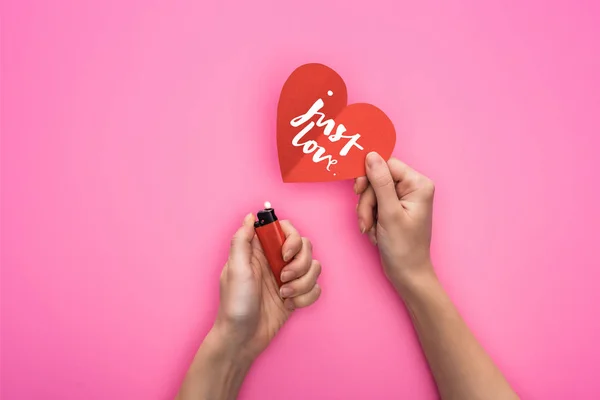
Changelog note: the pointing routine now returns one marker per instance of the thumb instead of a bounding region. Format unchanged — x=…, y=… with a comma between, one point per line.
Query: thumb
x=241, y=243
x=381, y=180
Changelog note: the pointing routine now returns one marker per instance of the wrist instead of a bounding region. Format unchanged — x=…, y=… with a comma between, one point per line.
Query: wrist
x=222, y=345
x=413, y=281
x=217, y=371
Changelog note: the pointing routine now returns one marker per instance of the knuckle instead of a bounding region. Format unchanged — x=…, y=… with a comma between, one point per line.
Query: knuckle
x=293, y=242
x=306, y=243
x=429, y=185
x=297, y=238
x=318, y=290
x=316, y=293
x=288, y=225
x=317, y=267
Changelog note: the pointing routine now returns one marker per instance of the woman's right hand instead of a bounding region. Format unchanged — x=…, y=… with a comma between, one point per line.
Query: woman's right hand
x=395, y=210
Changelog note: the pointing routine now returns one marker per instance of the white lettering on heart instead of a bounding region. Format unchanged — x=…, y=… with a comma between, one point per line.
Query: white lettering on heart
x=311, y=145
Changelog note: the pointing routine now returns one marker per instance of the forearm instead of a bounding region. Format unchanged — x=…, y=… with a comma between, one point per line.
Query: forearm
x=461, y=367
x=216, y=373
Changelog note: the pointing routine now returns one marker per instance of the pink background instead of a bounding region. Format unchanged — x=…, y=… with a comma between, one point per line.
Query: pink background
x=137, y=134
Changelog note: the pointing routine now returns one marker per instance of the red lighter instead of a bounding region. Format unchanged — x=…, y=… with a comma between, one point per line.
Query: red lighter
x=271, y=238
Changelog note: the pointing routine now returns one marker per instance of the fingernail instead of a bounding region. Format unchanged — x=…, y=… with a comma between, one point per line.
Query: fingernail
x=248, y=217
x=362, y=227
x=373, y=240
x=287, y=255
x=354, y=188
x=286, y=291
x=357, y=208
x=373, y=236
x=287, y=276
x=374, y=159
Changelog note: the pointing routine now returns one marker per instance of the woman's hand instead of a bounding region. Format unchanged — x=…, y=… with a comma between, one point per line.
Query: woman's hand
x=395, y=209
x=252, y=308
x=251, y=311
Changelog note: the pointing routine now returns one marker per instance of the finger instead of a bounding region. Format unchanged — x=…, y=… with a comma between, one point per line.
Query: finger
x=381, y=181
x=304, y=300
x=360, y=184
x=399, y=170
x=366, y=205
x=303, y=284
x=411, y=184
x=241, y=245
x=373, y=235
x=293, y=241
x=404, y=176
x=300, y=265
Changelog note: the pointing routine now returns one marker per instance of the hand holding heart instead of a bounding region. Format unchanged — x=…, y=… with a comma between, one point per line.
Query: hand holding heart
x=395, y=208
x=321, y=138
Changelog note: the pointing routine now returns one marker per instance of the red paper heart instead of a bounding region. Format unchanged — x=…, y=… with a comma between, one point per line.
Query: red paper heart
x=325, y=151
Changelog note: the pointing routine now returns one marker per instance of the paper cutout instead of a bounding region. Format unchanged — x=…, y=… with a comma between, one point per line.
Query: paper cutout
x=319, y=137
